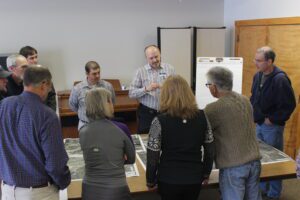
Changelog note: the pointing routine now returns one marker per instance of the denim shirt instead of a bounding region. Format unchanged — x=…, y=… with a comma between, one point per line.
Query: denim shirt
x=77, y=98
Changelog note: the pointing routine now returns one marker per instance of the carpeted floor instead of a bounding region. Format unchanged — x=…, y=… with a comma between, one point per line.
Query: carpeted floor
x=291, y=191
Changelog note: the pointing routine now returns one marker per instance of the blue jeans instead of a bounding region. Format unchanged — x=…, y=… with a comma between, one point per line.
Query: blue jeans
x=241, y=182
x=271, y=135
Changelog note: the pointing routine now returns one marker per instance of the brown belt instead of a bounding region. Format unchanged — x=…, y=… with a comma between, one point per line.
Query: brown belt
x=22, y=186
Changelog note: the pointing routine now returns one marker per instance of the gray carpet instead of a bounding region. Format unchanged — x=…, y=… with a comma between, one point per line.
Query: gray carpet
x=291, y=191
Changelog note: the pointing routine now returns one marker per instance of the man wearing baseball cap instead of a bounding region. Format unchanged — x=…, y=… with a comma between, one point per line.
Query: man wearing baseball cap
x=3, y=81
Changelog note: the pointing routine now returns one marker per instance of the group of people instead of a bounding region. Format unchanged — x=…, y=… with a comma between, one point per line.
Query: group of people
x=33, y=160
x=228, y=130
x=173, y=153
x=183, y=142
x=12, y=81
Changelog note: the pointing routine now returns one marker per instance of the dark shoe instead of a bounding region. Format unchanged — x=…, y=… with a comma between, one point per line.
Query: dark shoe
x=270, y=198
x=263, y=195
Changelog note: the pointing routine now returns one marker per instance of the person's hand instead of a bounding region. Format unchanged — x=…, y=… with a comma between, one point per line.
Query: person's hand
x=267, y=121
x=152, y=86
x=205, y=181
x=125, y=157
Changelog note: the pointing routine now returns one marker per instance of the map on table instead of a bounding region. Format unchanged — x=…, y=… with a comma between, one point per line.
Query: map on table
x=269, y=154
x=76, y=162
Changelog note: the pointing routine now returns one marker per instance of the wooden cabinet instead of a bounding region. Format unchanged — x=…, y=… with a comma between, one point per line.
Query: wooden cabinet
x=125, y=110
x=283, y=35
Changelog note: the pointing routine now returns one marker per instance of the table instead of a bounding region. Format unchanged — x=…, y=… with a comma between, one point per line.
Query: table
x=123, y=103
x=124, y=108
x=271, y=169
x=137, y=184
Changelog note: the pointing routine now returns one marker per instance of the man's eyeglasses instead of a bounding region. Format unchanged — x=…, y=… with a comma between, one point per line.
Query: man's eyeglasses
x=259, y=61
x=208, y=84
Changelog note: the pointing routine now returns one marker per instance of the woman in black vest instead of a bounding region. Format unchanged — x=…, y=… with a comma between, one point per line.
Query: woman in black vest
x=175, y=161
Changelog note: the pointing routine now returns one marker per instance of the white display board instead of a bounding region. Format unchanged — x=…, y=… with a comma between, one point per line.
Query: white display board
x=234, y=64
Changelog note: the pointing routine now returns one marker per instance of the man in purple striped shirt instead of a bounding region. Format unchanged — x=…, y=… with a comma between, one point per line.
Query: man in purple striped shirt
x=145, y=87
x=33, y=161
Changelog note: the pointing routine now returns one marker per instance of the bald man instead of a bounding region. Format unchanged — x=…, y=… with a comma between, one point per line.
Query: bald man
x=146, y=84
x=17, y=64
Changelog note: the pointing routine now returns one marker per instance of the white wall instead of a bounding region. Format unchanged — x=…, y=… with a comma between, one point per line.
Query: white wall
x=255, y=9
x=68, y=33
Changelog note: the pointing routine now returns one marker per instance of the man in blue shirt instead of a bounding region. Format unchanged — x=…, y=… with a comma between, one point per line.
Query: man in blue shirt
x=273, y=102
x=78, y=93
x=33, y=161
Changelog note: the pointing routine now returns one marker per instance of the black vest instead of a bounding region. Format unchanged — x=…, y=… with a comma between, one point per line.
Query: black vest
x=181, y=158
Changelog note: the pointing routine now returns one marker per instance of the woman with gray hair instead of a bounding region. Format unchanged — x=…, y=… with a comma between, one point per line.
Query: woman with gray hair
x=105, y=150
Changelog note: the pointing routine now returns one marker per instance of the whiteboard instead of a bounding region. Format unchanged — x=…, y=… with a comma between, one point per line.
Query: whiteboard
x=234, y=64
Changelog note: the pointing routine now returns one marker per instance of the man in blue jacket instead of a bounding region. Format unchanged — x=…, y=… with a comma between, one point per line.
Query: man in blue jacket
x=273, y=102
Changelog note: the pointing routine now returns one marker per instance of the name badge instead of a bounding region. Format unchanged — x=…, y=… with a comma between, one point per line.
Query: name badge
x=162, y=75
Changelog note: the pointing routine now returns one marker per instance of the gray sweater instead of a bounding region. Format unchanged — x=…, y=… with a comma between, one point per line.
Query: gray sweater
x=231, y=119
x=104, y=146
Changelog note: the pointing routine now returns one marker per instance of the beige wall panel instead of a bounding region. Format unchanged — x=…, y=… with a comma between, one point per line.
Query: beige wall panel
x=210, y=43
x=249, y=39
x=176, y=49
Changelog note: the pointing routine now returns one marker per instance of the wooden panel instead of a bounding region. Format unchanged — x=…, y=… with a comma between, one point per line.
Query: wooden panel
x=285, y=41
x=124, y=108
x=123, y=103
x=282, y=34
x=269, y=21
x=249, y=38
x=115, y=83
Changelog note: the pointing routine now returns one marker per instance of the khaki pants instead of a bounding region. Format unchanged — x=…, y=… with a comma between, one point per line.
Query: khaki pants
x=16, y=193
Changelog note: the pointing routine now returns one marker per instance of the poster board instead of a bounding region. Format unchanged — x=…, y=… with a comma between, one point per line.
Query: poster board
x=235, y=64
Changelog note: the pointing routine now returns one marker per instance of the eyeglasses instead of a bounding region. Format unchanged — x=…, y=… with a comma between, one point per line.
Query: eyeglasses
x=208, y=84
x=259, y=61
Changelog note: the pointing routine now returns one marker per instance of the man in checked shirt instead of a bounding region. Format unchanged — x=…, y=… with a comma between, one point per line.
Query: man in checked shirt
x=145, y=87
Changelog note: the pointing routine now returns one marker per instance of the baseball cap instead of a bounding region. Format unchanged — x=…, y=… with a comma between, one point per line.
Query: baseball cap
x=4, y=73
